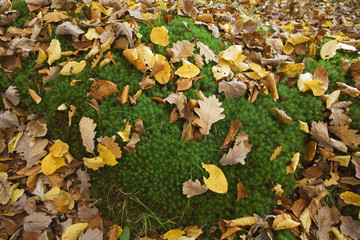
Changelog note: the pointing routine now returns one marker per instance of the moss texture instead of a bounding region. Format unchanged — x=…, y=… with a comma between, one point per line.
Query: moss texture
x=162, y=162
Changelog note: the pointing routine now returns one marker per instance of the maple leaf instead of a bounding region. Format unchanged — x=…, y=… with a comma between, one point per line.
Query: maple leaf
x=193, y=188
x=181, y=49
x=232, y=89
x=338, y=116
x=238, y=153
x=36, y=222
x=87, y=127
x=319, y=132
x=68, y=28
x=31, y=150
x=209, y=113
x=206, y=52
x=347, y=135
x=8, y=119
x=350, y=227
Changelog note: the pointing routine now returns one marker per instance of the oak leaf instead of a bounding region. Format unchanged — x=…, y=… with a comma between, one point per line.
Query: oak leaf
x=87, y=127
x=91, y=234
x=233, y=88
x=8, y=119
x=324, y=219
x=112, y=146
x=84, y=179
x=12, y=95
x=338, y=116
x=209, y=113
x=217, y=181
x=192, y=188
x=347, y=135
x=205, y=51
x=238, y=153
x=101, y=89
x=36, y=222
x=54, y=51
x=31, y=150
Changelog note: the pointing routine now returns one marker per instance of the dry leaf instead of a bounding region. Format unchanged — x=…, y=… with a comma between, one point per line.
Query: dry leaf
x=36, y=128
x=8, y=119
x=34, y=96
x=319, y=132
x=304, y=126
x=91, y=234
x=347, y=135
x=191, y=188
x=332, y=98
x=284, y=221
x=73, y=67
x=131, y=144
x=181, y=49
x=107, y=156
x=68, y=28
x=173, y=233
x=292, y=69
x=87, y=127
x=73, y=231
x=232, y=89
x=234, y=128
x=187, y=70
x=84, y=179
x=276, y=153
x=209, y=113
x=338, y=116
x=281, y=115
x=353, y=92
x=31, y=150
x=324, y=219
x=217, y=181
x=328, y=50
x=241, y=191
x=350, y=198
x=205, y=51
x=12, y=95
x=121, y=29
x=125, y=135
x=350, y=227
x=294, y=162
x=112, y=146
x=159, y=36
x=198, y=60
x=101, y=89
x=238, y=153
x=54, y=51
x=4, y=188
x=36, y=222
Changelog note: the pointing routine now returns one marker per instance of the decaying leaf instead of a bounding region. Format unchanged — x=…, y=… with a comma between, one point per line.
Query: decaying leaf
x=68, y=28
x=319, y=132
x=34, y=96
x=217, y=181
x=91, y=234
x=328, y=50
x=234, y=127
x=8, y=119
x=209, y=113
x=101, y=89
x=238, y=153
x=31, y=150
x=233, y=88
x=324, y=219
x=338, y=116
x=293, y=69
x=350, y=227
x=4, y=188
x=353, y=92
x=12, y=95
x=193, y=188
x=87, y=127
x=281, y=115
x=36, y=222
x=241, y=191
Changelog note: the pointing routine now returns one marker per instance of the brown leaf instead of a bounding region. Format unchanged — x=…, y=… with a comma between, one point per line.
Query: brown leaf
x=338, y=115
x=121, y=29
x=30, y=204
x=158, y=67
x=36, y=222
x=350, y=227
x=187, y=133
x=55, y=16
x=36, y=128
x=34, y=96
x=353, y=92
x=91, y=234
x=281, y=115
x=124, y=95
x=347, y=135
x=205, y=51
x=101, y=89
x=181, y=49
x=191, y=188
x=4, y=189
x=310, y=150
x=324, y=220
x=68, y=28
x=241, y=191
x=112, y=146
x=31, y=150
x=61, y=203
x=198, y=60
x=146, y=82
x=131, y=144
x=187, y=6
x=87, y=127
x=8, y=119
x=356, y=162
x=319, y=132
x=313, y=172
x=238, y=153
x=321, y=75
x=234, y=128
x=12, y=95
x=84, y=179
x=298, y=207
x=232, y=89
x=8, y=18
x=96, y=222
x=55, y=180
x=270, y=79
x=85, y=214
x=183, y=84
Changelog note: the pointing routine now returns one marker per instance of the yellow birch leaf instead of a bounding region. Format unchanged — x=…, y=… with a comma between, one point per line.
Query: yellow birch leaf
x=342, y=160
x=98, y=6
x=314, y=85
x=125, y=135
x=73, y=231
x=94, y=163
x=332, y=98
x=41, y=57
x=284, y=221
x=312, y=49
x=276, y=153
x=328, y=50
x=174, y=233
x=305, y=219
x=243, y=221
x=116, y=229
x=107, y=156
x=327, y=24
x=351, y=198
x=304, y=126
x=288, y=49
x=252, y=75
x=73, y=67
x=73, y=82
x=258, y=69
x=106, y=45
x=187, y=70
x=163, y=76
x=59, y=148
x=159, y=36
x=69, y=197
x=14, y=141
x=54, y=51
x=221, y=70
x=217, y=181
x=104, y=62
x=50, y=164
x=92, y=34
x=294, y=162
x=231, y=54
x=293, y=69
x=297, y=39
x=16, y=194
x=51, y=194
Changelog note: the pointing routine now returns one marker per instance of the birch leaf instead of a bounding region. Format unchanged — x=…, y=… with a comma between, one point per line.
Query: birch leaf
x=238, y=153
x=73, y=67
x=187, y=70
x=191, y=188
x=73, y=231
x=350, y=198
x=294, y=162
x=284, y=221
x=107, y=156
x=209, y=113
x=87, y=127
x=181, y=49
x=54, y=51
x=328, y=50
x=206, y=52
x=159, y=36
x=217, y=181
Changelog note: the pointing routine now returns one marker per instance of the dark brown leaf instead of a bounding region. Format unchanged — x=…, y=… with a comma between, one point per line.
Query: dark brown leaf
x=234, y=128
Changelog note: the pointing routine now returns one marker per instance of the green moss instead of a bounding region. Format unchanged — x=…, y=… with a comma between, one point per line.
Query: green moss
x=24, y=13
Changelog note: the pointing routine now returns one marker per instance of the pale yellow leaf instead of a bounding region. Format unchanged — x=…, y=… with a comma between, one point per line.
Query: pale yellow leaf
x=51, y=194
x=173, y=233
x=187, y=70
x=217, y=181
x=304, y=126
x=297, y=39
x=332, y=98
x=107, y=156
x=328, y=50
x=54, y=51
x=276, y=153
x=87, y=127
x=258, y=69
x=301, y=83
x=294, y=162
x=98, y=6
x=231, y=54
x=34, y=96
x=159, y=36
x=73, y=231
x=221, y=70
x=342, y=160
x=145, y=55
x=316, y=87
x=94, y=163
x=305, y=219
x=92, y=34
x=284, y=221
x=243, y=221
x=350, y=198
x=73, y=67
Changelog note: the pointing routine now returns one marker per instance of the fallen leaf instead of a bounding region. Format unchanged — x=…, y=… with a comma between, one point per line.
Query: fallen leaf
x=51, y=194
x=324, y=219
x=284, y=221
x=281, y=115
x=319, y=132
x=121, y=29
x=217, y=181
x=164, y=75
x=332, y=98
x=36, y=222
x=107, y=156
x=305, y=219
x=342, y=160
x=36, y=128
x=31, y=150
x=292, y=69
x=238, y=153
x=187, y=70
x=350, y=198
x=8, y=119
x=125, y=135
x=241, y=191
x=73, y=231
x=192, y=188
x=68, y=28
x=87, y=127
x=209, y=113
x=233, y=88
x=347, y=135
x=328, y=50
x=350, y=227
x=234, y=128
x=4, y=188
x=205, y=51
x=333, y=180
x=91, y=234
x=50, y=164
x=34, y=96
x=294, y=162
x=276, y=153
x=173, y=233
x=101, y=89
x=351, y=91
x=193, y=231
x=94, y=163
x=12, y=95
x=241, y=222
x=114, y=232
x=159, y=36
x=135, y=138
x=54, y=51
x=112, y=146
x=73, y=67
x=181, y=49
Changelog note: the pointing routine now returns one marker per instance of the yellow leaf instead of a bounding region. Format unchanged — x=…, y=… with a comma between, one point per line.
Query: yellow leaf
x=54, y=51
x=258, y=69
x=301, y=84
x=73, y=67
x=14, y=141
x=104, y=62
x=106, y=45
x=69, y=197
x=174, y=233
x=41, y=57
x=98, y=6
x=231, y=54
x=118, y=230
x=107, y=156
x=163, y=76
x=51, y=194
x=243, y=221
x=159, y=36
x=16, y=194
x=288, y=49
x=314, y=85
x=351, y=198
x=59, y=148
x=221, y=70
x=305, y=219
x=337, y=234
x=284, y=221
x=293, y=69
x=73, y=82
x=217, y=181
x=125, y=135
x=327, y=24
x=328, y=50
x=276, y=153
x=294, y=162
x=342, y=160
x=297, y=39
x=73, y=231
x=50, y=164
x=92, y=34
x=34, y=96
x=145, y=55
x=187, y=70
x=332, y=98
x=304, y=126
x=312, y=49
x=94, y=163
x=193, y=231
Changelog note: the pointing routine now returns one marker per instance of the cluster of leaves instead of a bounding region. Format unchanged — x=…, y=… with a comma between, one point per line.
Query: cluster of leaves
x=239, y=71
